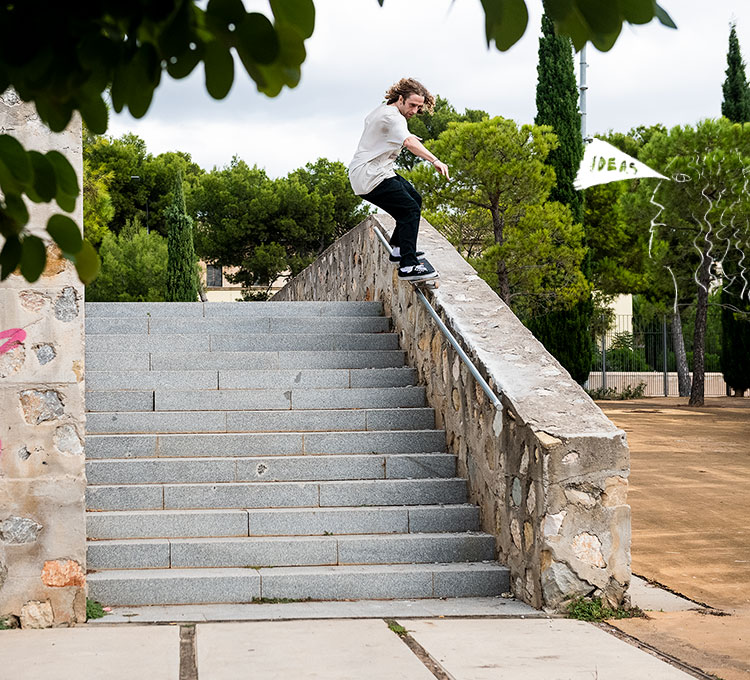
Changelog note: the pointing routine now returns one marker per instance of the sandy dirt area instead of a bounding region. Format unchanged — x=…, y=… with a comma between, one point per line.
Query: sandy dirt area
x=690, y=498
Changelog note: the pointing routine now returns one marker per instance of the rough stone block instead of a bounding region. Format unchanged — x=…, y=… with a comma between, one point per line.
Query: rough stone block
x=347, y=583
x=393, y=492
x=403, y=441
x=166, y=524
x=290, y=421
x=312, y=468
x=120, y=400
x=128, y=554
x=191, y=361
x=342, y=359
x=414, y=548
x=221, y=400
x=286, y=379
x=174, y=586
x=183, y=421
x=416, y=466
x=319, y=521
x=271, y=551
x=401, y=419
x=160, y=470
x=375, y=397
x=241, y=495
x=299, y=342
x=129, y=497
x=384, y=377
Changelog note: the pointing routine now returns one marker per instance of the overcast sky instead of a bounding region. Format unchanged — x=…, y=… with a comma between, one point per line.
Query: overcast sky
x=652, y=75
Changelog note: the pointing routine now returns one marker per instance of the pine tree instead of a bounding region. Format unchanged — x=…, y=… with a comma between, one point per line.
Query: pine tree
x=181, y=270
x=565, y=333
x=735, y=328
x=736, y=104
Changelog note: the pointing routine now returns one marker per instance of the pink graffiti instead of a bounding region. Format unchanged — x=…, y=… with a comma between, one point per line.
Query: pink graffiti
x=16, y=335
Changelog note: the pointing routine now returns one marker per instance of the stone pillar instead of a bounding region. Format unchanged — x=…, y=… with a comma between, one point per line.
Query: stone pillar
x=42, y=415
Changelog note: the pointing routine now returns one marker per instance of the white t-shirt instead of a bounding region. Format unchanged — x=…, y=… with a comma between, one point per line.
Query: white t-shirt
x=381, y=141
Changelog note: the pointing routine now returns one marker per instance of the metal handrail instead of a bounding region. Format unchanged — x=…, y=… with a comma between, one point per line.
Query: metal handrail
x=449, y=336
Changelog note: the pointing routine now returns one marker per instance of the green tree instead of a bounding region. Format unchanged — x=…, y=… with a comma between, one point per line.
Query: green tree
x=563, y=331
x=428, y=126
x=182, y=283
x=134, y=267
x=735, y=314
x=330, y=179
x=736, y=104
x=264, y=227
x=702, y=217
x=97, y=203
x=63, y=58
x=532, y=251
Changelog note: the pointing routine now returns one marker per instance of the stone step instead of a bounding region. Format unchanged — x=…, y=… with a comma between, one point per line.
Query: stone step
x=270, y=468
x=163, y=400
x=261, y=421
x=206, y=586
x=99, y=446
x=289, y=551
x=282, y=521
x=349, y=493
x=231, y=309
x=231, y=324
x=246, y=379
x=202, y=361
x=215, y=342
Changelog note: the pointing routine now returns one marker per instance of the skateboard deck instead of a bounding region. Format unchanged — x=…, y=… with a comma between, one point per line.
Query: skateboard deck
x=427, y=283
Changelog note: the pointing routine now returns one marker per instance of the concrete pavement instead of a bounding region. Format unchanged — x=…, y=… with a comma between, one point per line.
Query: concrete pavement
x=334, y=649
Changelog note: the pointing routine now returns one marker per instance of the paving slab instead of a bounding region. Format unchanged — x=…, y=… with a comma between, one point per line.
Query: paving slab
x=335, y=650
x=487, y=649
x=653, y=598
x=350, y=609
x=92, y=653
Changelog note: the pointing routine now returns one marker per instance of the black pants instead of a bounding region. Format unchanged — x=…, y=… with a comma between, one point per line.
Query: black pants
x=402, y=202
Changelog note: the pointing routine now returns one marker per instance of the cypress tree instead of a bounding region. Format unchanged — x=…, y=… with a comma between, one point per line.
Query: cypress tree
x=736, y=104
x=565, y=333
x=735, y=328
x=181, y=272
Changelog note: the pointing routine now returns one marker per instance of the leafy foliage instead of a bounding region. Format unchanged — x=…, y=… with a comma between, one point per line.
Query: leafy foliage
x=134, y=267
x=182, y=282
x=735, y=314
x=428, y=126
x=703, y=217
x=64, y=57
x=593, y=609
x=564, y=332
x=94, y=610
x=267, y=227
x=530, y=249
x=98, y=210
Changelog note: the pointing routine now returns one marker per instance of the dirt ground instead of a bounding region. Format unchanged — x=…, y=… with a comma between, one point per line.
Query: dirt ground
x=690, y=499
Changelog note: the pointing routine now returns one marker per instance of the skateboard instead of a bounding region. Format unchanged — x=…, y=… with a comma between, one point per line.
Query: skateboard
x=431, y=284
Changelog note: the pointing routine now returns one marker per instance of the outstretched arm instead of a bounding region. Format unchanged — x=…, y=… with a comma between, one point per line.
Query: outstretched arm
x=413, y=144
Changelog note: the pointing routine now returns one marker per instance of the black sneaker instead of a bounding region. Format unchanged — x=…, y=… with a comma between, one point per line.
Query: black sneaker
x=421, y=272
x=397, y=258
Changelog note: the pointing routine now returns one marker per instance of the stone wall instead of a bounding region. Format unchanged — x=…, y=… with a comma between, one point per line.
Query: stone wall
x=42, y=419
x=550, y=471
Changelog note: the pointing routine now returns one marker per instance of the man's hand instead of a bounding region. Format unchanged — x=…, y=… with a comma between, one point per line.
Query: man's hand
x=442, y=168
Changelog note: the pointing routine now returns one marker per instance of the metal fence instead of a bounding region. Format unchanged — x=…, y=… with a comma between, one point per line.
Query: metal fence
x=634, y=351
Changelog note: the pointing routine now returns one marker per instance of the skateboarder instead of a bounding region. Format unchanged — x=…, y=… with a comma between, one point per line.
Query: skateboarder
x=373, y=178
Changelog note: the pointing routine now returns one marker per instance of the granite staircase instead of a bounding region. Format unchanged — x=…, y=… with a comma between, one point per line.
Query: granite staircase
x=259, y=451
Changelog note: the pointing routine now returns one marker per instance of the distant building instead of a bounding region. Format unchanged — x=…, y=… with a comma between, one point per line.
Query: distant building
x=218, y=288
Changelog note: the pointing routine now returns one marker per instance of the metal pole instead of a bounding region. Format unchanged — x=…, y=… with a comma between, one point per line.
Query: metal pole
x=449, y=337
x=604, y=360
x=664, y=342
x=583, y=87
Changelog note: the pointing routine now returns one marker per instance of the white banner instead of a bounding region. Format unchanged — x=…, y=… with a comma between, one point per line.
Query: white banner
x=603, y=163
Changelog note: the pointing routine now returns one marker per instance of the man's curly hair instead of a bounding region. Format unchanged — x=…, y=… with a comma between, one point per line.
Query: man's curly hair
x=408, y=86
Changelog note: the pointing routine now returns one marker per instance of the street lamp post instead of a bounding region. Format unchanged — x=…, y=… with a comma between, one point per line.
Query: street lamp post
x=138, y=177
